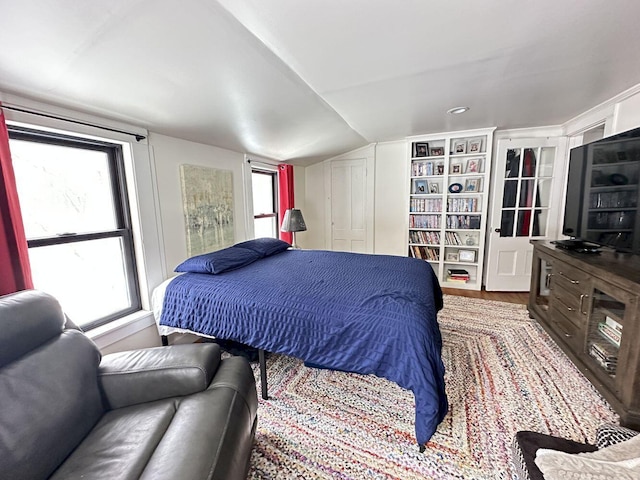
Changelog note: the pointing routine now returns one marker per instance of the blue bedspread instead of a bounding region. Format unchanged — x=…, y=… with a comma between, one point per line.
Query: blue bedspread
x=369, y=314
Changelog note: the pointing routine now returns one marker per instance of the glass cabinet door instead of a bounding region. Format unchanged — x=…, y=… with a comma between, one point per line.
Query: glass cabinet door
x=542, y=287
x=605, y=330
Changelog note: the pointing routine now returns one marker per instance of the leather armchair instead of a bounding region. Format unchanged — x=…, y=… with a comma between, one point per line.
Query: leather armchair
x=166, y=412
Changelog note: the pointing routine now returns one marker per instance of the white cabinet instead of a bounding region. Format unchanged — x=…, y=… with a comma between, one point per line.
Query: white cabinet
x=448, y=203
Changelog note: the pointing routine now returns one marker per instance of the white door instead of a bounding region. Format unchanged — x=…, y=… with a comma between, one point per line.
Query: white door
x=526, y=204
x=350, y=206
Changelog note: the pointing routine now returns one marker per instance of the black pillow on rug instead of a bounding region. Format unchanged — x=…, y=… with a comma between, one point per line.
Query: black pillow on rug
x=526, y=444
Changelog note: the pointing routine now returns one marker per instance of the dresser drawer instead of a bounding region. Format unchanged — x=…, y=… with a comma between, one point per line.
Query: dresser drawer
x=569, y=279
x=571, y=305
x=566, y=329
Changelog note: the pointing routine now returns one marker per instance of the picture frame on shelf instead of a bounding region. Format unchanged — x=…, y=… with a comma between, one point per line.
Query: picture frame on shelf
x=421, y=186
x=456, y=168
x=459, y=147
x=466, y=256
x=440, y=169
x=472, y=185
x=420, y=149
x=473, y=165
x=474, y=145
x=434, y=188
x=452, y=257
x=436, y=151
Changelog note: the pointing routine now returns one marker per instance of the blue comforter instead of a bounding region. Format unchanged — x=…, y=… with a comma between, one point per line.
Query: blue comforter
x=368, y=314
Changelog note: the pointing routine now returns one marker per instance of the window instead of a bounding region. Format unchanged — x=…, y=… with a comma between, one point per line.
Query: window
x=265, y=203
x=75, y=211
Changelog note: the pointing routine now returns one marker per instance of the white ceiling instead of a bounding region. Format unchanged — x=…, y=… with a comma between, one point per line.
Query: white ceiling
x=303, y=80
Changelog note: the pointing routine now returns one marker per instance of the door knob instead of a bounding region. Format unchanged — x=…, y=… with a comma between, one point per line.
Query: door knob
x=497, y=230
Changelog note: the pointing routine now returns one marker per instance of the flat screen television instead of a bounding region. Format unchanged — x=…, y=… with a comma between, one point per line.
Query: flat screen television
x=603, y=193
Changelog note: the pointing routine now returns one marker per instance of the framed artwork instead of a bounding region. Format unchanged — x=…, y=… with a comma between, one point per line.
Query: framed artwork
x=434, y=188
x=474, y=145
x=436, y=151
x=467, y=255
x=472, y=185
x=440, y=169
x=459, y=147
x=473, y=165
x=421, y=186
x=452, y=257
x=420, y=149
x=207, y=202
x=456, y=168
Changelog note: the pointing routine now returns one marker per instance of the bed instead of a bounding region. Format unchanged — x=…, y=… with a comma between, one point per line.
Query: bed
x=367, y=314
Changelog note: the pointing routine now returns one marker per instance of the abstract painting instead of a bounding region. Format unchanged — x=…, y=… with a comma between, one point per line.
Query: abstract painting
x=207, y=198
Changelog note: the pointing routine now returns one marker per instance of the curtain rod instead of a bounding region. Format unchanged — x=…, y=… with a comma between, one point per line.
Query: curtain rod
x=137, y=136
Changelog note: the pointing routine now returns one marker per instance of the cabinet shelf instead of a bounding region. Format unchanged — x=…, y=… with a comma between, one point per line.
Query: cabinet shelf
x=461, y=221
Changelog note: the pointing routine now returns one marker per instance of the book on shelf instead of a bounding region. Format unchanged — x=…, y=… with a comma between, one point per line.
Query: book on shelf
x=457, y=271
x=610, y=333
x=605, y=358
x=613, y=324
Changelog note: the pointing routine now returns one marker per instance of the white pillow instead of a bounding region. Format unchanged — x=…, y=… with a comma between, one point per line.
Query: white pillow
x=617, y=462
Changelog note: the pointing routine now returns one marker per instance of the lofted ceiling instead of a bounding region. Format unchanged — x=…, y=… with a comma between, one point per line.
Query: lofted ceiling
x=304, y=80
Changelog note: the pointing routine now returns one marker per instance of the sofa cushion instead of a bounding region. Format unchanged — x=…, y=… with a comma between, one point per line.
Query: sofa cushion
x=49, y=401
x=137, y=376
x=205, y=435
x=27, y=320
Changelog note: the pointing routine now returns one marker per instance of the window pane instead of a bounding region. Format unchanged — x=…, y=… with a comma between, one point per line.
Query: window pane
x=527, y=192
x=62, y=189
x=265, y=227
x=262, y=184
x=529, y=164
x=506, y=223
x=68, y=272
x=509, y=195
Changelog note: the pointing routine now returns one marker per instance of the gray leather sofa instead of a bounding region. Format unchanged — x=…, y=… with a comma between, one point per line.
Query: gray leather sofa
x=178, y=412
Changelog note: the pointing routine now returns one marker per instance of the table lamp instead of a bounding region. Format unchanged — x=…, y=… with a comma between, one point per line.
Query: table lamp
x=293, y=222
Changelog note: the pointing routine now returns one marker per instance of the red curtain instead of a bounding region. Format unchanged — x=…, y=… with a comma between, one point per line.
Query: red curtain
x=14, y=255
x=285, y=196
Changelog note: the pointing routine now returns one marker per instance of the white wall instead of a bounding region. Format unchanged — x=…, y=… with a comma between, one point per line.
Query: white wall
x=168, y=154
x=628, y=114
x=314, y=198
x=391, y=198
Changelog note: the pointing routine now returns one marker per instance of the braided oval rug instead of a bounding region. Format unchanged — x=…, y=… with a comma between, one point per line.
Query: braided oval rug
x=504, y=374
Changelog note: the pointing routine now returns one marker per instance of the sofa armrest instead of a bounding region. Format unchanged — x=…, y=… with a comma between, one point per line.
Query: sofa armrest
x=138, y=376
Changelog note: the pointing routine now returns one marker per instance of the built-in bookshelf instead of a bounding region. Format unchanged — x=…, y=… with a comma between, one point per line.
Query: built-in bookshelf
x=448, y=201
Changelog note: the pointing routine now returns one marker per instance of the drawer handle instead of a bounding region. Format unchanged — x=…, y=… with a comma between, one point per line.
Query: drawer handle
x=571, y=309
x=575, y=282
x=582, y=297
x=563, y=331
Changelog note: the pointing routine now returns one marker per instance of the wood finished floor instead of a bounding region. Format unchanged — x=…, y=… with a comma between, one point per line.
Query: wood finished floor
x=510, y=297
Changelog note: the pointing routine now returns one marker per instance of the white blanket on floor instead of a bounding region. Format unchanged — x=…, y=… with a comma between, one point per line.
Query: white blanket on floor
x=617, y=462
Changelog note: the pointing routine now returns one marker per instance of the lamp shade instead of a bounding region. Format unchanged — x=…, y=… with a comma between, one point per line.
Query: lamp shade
x=293, y=221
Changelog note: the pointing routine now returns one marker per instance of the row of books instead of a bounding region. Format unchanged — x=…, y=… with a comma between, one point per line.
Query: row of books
x=462, y=205
x=457, y=275
x=424, y=237
x=425, y=205
x=425, y=253
x=423, y=169
x=452, y=238
x=606, y=356
x=424, y=221
x=463, y=222
x=610, y=333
